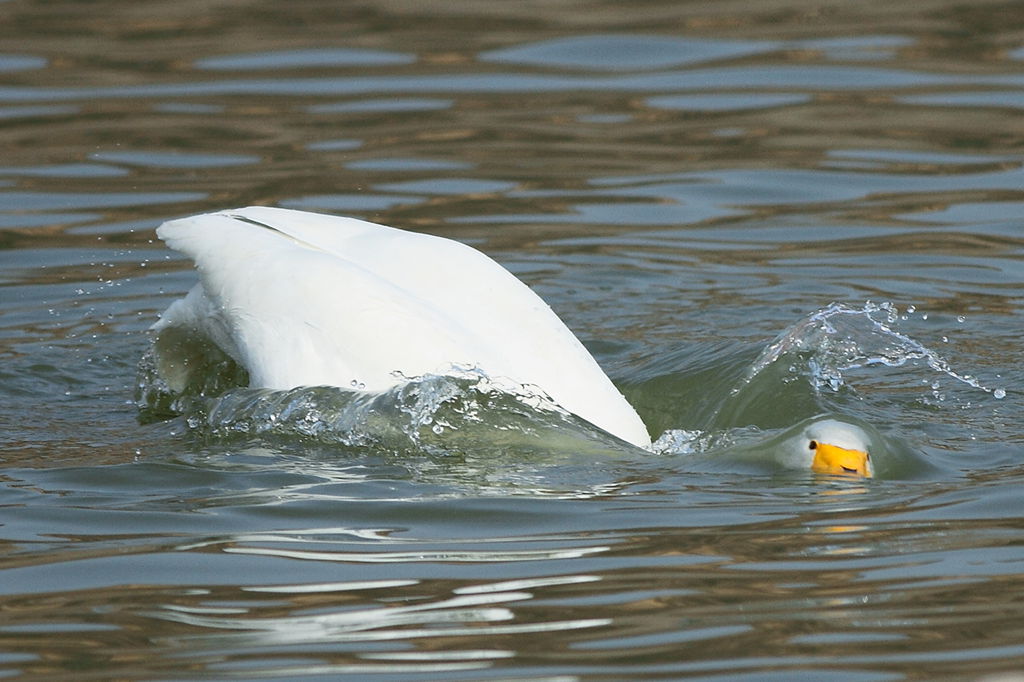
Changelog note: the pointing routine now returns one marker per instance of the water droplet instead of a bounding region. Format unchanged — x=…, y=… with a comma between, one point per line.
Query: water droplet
x=999, y=394
x=911, y=310
x=438, y=429
x=945, y=339
x=924, y=316
x=961, y=318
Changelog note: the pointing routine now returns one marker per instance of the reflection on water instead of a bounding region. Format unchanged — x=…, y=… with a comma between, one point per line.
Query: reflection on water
x=683, y=183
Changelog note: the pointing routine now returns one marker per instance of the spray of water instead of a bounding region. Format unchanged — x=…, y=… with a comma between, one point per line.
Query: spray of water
x=834, y=352
x=840, y=338
x=464, y=410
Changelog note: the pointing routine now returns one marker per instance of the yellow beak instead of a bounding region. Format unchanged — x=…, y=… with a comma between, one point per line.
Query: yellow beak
x=831, y=459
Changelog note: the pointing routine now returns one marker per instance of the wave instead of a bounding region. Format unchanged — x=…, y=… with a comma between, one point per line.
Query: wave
x=846, y=359
x=460, y=412
x=839, y=338
x=806, y=372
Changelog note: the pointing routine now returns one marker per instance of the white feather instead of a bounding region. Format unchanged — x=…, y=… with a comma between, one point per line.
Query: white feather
x=301, y=299
x=794, y=451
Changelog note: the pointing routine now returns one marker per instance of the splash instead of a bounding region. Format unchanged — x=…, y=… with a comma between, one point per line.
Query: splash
x=464, y=410
x=839, y=339
x=840, y=361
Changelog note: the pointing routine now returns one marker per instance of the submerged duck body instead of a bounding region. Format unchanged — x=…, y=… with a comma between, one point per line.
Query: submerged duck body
x=303, y=299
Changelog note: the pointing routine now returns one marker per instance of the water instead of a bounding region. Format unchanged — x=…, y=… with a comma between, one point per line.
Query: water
x=751, y=214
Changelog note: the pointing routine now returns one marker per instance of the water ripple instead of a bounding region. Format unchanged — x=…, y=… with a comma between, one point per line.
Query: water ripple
x=817, y=78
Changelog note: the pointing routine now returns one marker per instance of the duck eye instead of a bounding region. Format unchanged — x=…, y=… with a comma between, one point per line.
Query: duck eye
x=813, y=445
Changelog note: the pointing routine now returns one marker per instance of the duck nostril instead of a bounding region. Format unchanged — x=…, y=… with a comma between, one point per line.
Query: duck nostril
x=849, y=470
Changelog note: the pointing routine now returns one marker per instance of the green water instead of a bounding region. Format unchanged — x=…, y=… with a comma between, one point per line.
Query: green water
x=689, y=185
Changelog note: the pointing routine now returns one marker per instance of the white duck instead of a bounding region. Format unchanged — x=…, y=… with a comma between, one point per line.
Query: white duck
x=302, y=299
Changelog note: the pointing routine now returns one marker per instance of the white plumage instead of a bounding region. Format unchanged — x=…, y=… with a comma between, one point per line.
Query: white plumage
x=301, y=299
x=795, y=451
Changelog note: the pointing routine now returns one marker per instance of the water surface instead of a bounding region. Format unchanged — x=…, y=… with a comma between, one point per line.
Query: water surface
x=690, y=186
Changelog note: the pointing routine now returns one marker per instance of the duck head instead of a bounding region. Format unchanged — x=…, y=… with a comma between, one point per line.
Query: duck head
x=830, y=446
